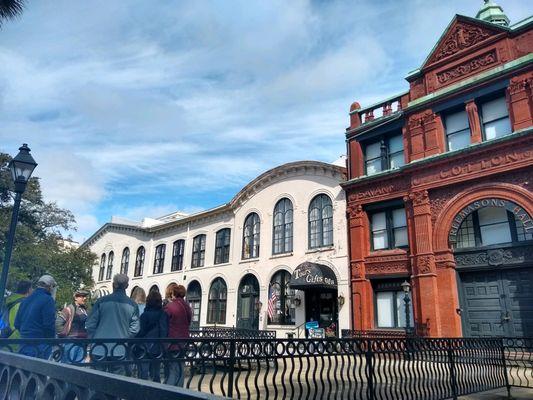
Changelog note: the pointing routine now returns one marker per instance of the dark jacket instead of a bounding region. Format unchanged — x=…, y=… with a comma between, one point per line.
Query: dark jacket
x=114, y=316
x=179, y=318
x=37, y=315
x=154, y=323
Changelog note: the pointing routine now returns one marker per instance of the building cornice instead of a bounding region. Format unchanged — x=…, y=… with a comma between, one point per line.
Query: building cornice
x=277, y=174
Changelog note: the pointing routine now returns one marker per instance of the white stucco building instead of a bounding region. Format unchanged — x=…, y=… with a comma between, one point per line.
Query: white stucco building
x=272, y=258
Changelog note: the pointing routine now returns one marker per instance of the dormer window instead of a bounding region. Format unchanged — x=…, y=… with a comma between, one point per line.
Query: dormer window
x=383, y=154
x=457, y=130
x=495, y=118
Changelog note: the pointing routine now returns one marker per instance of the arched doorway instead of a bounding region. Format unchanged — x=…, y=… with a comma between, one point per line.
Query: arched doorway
x=492, y=242
x=248, y=303
x=194, y=297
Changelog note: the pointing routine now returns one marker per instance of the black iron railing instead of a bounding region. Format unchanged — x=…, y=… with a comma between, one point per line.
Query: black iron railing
x=24, y=377
x=217, y=332
x=369, y=369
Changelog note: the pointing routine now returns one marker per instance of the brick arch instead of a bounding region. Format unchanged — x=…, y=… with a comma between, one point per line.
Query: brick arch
x=505, y=191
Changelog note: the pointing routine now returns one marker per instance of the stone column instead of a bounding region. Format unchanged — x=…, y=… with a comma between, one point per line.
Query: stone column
x=424, y=271
x=449, y=294
x=358, y=242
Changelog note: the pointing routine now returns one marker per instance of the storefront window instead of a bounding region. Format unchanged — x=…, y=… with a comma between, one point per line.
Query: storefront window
x=281, y=308
x=390, y=305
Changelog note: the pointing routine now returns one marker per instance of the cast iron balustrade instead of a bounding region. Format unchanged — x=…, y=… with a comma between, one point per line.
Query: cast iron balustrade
x=367, y=368
x=28, y=378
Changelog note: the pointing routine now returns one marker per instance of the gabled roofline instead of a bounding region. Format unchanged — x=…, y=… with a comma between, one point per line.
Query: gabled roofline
x=456, y=17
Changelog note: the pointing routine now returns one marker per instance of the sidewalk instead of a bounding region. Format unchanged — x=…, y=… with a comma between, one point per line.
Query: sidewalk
x=516, y=393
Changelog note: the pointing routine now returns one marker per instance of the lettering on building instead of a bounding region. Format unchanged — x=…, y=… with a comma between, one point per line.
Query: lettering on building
x=518, y=211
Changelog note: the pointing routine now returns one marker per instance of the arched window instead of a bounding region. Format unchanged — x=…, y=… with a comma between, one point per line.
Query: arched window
x=489, y=226
x=194, y=297
x=159, y=259
x=281, y=309
x=222, y=243
x=216, y=307
x=139, y=262
x=102, y=268
x=282, y=237
x=250, y=240
x=320, y=222
x=178, y=249
x=154, y=288
x=198, y=251
x=110, y=259
x=125, y=261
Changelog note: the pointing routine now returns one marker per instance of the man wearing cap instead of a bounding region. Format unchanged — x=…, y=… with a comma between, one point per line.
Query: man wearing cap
x=36, y=317
x=70, y=322
x=114, y=316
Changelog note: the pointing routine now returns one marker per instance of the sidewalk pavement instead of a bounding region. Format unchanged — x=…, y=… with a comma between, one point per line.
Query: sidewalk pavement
x=501, y=394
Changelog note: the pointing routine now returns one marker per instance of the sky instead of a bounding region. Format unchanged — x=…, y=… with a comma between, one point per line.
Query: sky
x=139, y=108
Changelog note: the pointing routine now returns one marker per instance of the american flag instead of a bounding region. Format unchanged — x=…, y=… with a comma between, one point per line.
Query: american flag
x=272, y=303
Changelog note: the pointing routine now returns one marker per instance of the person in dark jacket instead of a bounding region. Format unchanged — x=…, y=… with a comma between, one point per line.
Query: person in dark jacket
x=154, y=324
x=36, y=317
x=114, y=316
x=179, y=318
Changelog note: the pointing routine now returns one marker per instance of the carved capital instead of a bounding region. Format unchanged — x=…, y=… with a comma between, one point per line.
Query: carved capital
x=425, y=264
x=357, y=269
x=420, y=198
x=354, y=211
x=519, y=86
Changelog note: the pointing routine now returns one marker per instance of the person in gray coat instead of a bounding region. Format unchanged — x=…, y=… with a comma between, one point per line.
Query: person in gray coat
x=114, y=316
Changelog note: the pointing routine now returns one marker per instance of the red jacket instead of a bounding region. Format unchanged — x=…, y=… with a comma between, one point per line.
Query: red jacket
x=179, y=318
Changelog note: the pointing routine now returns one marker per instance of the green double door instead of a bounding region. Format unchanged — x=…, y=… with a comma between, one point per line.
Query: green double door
x=497, y=302
x=247, y=306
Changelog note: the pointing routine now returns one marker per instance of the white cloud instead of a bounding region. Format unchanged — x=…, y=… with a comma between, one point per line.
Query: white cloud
x=185, y=102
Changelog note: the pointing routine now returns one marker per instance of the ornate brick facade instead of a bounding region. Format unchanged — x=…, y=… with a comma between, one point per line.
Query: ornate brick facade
x=471, y=58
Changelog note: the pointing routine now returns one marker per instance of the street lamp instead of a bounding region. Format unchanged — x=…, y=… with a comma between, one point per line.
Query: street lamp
x=406, y=286
x=21, y=168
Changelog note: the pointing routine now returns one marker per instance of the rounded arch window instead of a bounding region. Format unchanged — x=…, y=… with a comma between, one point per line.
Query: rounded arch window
x=194, y=297
x=101, y=272
x=216, y=306
x=320, y=222
x=110, y=260
x=250, y=240
x=139, y=261
x=491, y=226
x=281, y=308
x=125, y=261
x=282, y=230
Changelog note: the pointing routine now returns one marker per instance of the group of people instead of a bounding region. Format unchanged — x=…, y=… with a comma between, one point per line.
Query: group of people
x=32, y=314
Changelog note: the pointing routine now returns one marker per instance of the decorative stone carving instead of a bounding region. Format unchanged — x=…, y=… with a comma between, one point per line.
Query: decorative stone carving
x=424, y=264
x=519, y=86
x=357, y=270
x=390, y=268
x=461, y=36
x=477, y=63
x=495, y=257
x=355, y=211
x=419, y=198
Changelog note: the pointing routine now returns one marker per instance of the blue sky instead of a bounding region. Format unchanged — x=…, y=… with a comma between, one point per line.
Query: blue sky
x=139, y=108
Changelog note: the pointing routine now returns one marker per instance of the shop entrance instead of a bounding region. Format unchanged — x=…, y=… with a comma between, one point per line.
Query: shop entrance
x=321, y=306
x=319, y=283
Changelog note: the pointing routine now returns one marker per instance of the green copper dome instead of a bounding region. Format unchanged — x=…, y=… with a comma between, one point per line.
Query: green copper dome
x=492, y=12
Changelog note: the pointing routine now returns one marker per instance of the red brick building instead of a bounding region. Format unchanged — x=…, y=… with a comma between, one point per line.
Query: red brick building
x=440, y=188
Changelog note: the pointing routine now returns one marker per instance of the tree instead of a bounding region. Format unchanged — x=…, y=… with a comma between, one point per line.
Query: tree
x=39, y=241
x=10, y=9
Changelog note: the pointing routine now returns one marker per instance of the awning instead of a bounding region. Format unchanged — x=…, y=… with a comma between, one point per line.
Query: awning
x=310, y=275
x=100, y=293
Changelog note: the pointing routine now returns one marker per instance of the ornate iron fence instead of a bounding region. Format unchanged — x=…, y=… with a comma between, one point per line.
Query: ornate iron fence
x=29, y=378
x=369, y=369
x=231, y=333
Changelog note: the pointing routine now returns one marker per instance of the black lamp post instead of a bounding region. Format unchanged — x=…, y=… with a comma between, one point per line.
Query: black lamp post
x=21, y=168
x=406, y=286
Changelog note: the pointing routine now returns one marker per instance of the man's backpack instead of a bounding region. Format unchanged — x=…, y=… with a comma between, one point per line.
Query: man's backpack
x=5, y=328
